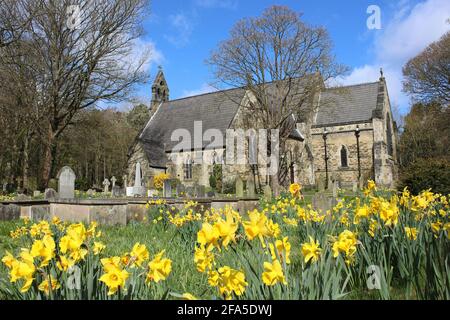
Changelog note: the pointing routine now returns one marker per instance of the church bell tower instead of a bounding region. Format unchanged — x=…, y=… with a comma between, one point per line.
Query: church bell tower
x=160, y=91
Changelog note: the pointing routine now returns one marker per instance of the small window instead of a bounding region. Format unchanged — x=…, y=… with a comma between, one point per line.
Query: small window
x=344, y=157
x=188, y=169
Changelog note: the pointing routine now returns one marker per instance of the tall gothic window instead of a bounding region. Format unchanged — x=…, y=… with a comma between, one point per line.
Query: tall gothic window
x=389, y=135
x=344, y=157
x=188, y=169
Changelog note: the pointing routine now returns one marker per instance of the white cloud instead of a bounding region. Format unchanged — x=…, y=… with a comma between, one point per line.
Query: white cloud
x=182, y=28
x=410, y=31
x=224, y=4
x=205, y=88
x=145, y=50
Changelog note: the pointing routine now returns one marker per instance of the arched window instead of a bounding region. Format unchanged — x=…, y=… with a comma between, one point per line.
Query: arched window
x=344, y=157
x=389, y=135
x=188, y=169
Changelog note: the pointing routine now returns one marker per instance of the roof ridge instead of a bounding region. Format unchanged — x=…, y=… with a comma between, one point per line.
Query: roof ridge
x=353, y=85
x=204, y=94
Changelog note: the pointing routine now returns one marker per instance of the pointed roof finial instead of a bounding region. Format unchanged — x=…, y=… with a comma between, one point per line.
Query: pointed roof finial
x=381, y=73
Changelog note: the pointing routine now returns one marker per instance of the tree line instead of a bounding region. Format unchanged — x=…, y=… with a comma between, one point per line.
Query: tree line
x=59, y=60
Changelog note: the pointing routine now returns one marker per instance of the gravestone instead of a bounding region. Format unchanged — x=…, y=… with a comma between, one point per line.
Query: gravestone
x=335, y=189
x=50, y=194
x=323, y=202
x=267, y=192
x=190, y=192
x=36, y=193
x=355, y=186
x=106, y=184
x=66, y=183
x=210, y=194
x=321, y=185
x=251, y=188
x=181, y=190
x=90, y=193
x=201, y=192
x=22, y=197
x=138, y=189
x=113, y=181
x=239, y=188
x=152, y=193
x=117, y=191
x=4, y=187
x=167, y=188
x=125, y=181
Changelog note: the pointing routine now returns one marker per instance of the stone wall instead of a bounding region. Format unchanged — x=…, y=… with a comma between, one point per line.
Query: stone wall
x=338, y=137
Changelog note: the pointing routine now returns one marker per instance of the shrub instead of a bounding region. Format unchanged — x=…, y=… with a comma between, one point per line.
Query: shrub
x=424, y=174
x=158, y=180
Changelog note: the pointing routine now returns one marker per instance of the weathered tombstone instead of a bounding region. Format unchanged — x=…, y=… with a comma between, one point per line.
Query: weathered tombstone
x=181, y=190
x=36, y=193
x=210, y=194
x=125, y=181
x=330, y=184
x=66, y=183
x=267, y=192
x=90, y=193
x=322, y=202
x=355, y=186
x=201, y=192
x=239, y=188
x=167, y=188
x=152, y=193
x=50, y=194
x=129, y=191
x=4, y=186
x=117, y=191
x=106, y=184
x=335, y=189
x=190, y=192
x=321, y=185
x=251, y=188
x=113, y=181
x=22, y=197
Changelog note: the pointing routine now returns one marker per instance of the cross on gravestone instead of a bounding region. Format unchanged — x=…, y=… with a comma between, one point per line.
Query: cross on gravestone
x=106, y=184
x=239, y=187
x=267, y=192
x=66, y=183
x=167, y=188
x=251, y=188
x=113, y=181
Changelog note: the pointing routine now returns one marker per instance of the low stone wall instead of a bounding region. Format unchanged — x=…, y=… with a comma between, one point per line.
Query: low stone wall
x=106, y=211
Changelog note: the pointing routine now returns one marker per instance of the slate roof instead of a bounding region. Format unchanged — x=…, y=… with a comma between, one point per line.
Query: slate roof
x=216, y=111
x=347, y=104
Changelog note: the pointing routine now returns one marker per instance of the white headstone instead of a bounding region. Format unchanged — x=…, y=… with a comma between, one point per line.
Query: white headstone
x=66, y=183
x=113, y=181
x=106, y=184
x=138, y=189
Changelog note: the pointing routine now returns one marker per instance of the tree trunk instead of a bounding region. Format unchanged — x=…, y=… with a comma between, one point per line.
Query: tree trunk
x=48, y=159
x=25, y=159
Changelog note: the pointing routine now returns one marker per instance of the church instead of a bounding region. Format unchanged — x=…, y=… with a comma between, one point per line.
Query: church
x=348, y=137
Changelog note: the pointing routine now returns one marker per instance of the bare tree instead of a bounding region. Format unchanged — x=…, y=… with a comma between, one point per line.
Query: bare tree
x=282, y=62
x=80, y=53
x=427, y=76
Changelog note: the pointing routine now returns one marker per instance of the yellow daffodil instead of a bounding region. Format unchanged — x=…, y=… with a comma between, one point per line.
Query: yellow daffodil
x=48, y=285
x=294, y=189
x=44, y=249
x=411, y=233
x=98, y=247
x=273, y=273
x=208, y=236
x=283, y=247
x=227, y=229
x=346, y=243
x=228, y=281
x=311, y=250
x=159, y=268
x=203, y=258
x=114, y=278
x=139, y=254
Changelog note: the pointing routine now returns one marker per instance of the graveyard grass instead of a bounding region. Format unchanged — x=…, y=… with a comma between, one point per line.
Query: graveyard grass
x=316, y=255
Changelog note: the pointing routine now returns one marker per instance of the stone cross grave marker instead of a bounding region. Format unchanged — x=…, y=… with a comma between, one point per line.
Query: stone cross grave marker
x=106, y=185
x=66, y=183
x=167, y=188
x=239, y=187
x=113, y=181
x=138, y=189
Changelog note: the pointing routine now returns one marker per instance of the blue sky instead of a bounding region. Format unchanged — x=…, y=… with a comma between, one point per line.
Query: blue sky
x=182, y=33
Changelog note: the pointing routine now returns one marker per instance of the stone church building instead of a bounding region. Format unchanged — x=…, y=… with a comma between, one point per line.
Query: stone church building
x=353, y=124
